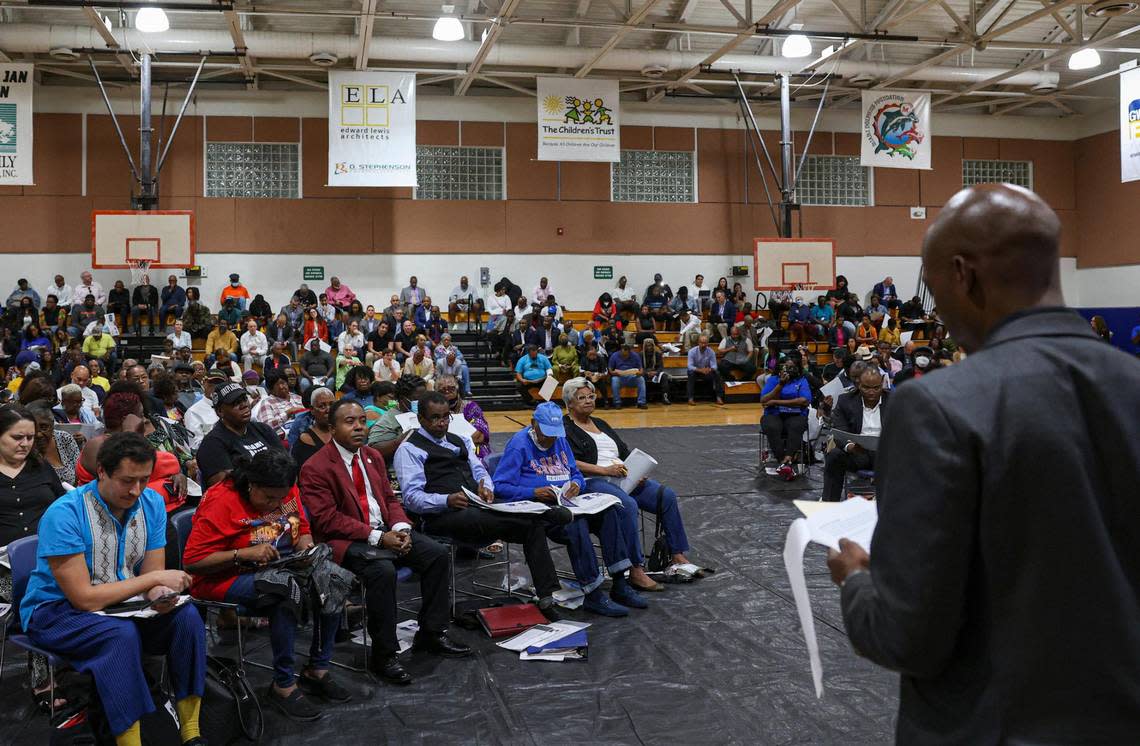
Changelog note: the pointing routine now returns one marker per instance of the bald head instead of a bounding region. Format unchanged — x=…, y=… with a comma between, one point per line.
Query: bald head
x=992, y=251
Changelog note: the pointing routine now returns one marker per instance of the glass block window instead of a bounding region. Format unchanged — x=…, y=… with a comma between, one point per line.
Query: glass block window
x=997, y=172
x=654, y=176
x=253, y=169
x=459, y=173
x=836, y=180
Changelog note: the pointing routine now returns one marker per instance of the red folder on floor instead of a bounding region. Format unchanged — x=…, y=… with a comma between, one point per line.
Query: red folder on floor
x=504, y=621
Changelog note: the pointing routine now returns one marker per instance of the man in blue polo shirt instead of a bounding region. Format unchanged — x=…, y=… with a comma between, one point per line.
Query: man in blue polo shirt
x=531, y=370
x=626, y=368
x=100, y=545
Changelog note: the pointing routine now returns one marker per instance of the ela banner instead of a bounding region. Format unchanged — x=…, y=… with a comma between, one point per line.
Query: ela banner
x=372, y=129
x=1130, y=125
x=896, y=129
x=16, y=124
x=578, y=120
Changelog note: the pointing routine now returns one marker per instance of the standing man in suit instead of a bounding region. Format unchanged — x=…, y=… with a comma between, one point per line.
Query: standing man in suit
x=353, y=510
x=1005, y=585
x=859, y=412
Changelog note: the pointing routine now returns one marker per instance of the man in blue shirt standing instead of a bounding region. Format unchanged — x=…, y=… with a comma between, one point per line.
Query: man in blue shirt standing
x=100, y=545
x=537, y=461
x=702, y=367
x=626, y=368
x=530, y=371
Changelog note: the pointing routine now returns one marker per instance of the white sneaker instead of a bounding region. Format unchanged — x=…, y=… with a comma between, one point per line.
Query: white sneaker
x=772, y=471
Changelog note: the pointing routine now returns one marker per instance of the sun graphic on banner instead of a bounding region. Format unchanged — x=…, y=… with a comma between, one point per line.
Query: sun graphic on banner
x=552, y=104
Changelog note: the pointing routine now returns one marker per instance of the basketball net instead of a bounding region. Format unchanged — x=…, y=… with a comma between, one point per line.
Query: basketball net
x=138, y=267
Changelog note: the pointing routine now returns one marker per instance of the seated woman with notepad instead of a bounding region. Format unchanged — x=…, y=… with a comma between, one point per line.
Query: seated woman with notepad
x=600, y=454
x=244, y=522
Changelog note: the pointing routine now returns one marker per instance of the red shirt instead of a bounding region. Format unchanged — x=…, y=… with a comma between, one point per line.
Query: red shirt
x=225, y=522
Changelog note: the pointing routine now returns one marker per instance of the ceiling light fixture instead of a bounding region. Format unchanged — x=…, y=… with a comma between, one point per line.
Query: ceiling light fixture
x=1086, y=59
x=151, y=20
x=796, y=45
x=447, y=27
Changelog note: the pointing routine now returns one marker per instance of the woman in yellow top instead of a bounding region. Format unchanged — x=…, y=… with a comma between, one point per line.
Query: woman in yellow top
x=564, y=360
x=890, y=333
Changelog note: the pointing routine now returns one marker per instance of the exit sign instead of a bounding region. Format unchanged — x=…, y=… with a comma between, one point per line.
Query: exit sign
x=312, y=273
x=603, y=272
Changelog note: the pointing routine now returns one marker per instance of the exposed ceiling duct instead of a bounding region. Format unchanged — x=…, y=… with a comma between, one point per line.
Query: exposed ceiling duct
x=38, y=38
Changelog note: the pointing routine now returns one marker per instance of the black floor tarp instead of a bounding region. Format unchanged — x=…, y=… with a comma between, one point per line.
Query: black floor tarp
x=718, y=661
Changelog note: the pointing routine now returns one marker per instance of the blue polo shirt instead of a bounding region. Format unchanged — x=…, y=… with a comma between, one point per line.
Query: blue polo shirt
x=793, y=390
x=66, y=528
x=533, y=370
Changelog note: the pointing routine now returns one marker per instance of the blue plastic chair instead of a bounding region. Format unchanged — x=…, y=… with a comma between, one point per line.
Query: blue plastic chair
x=22, y=558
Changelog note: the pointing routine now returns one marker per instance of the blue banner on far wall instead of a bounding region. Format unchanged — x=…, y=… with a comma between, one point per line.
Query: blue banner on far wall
x=1123, y=323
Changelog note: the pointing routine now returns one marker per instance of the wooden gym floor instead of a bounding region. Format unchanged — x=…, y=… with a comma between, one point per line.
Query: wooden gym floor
x=658, y=415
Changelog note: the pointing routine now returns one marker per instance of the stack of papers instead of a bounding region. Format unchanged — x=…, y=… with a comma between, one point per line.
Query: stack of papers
x=588, y=503
x=405, y=634
x=137, y=607
x=557, y=641
x=826, y=524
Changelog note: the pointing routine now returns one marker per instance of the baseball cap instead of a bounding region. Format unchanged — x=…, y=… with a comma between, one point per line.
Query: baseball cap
x=230, y=393
x=251, y=375
x=216, y=374
x=234, y=277
x=548, y=415
x=181, y=365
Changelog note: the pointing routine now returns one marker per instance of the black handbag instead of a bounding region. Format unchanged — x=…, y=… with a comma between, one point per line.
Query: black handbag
x=230, y=709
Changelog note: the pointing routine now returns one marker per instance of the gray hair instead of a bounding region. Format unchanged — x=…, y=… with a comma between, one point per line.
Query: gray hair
x=70, y=389
x=319, y=390
x=571, y=387
x=857, y=369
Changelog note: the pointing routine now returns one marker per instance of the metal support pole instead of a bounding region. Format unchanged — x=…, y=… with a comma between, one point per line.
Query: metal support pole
x=787, y=160
x=114, y=119
x=147, y=198
x=178, y=119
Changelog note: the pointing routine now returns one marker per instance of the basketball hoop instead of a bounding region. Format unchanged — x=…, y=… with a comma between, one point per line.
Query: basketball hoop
x=139, y=268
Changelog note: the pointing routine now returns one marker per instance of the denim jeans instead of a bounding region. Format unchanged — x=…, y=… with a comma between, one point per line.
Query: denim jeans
x=644, y=498
x=616, y=382
x=610, y=528
x=283, y=630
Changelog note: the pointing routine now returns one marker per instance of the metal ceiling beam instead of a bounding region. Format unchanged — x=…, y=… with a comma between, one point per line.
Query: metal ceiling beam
x=991, y=34
x=886, y=14
x=1056, y=56
x=505, y=84
x=292, y=78
x=507, y=10
x=740, y=20
x=630, y=25
x=854, y=22
x=1063, y=23
x=109, y=39
x=990, y=13
x=962, y=26
x=364, y=32
x=574, y=35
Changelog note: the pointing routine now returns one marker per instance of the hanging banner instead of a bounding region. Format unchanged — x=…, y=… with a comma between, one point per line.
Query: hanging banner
x=1130, y=125
x=16, y=124
x=896, y=129
x=578, y=120
x=372, y=129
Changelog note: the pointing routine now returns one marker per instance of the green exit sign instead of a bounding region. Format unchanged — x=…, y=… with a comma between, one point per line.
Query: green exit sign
x=603, y=272
x=312, y=273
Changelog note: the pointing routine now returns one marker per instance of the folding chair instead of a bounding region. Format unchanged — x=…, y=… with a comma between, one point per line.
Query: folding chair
x=22, y=558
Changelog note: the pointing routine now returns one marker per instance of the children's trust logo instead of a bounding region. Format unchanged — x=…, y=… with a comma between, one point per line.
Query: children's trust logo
x=577, y=110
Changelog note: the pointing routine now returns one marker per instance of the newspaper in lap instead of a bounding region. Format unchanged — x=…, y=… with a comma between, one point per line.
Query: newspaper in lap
x=585, y=504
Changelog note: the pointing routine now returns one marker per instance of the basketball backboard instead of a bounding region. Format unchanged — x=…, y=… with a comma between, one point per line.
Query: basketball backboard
x=805, y=263
x=163, y=238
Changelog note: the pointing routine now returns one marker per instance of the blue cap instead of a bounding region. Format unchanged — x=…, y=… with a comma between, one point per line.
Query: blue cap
x=548, y=415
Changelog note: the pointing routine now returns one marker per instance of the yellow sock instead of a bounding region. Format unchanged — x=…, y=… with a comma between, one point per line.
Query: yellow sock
x=188, y=708
x=130, y=737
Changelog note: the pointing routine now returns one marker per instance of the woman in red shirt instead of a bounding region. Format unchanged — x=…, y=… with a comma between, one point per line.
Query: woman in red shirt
x=245, y=521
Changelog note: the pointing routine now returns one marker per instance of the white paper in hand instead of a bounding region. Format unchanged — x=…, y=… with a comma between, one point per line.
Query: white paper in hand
x=548, y=387
x=833, y=388
x=408, y=420
x=460, y=426
x=638, y=465
x=852, y=519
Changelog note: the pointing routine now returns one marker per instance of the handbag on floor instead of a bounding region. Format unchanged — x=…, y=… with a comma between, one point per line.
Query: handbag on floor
x=659, y=557
x=230, y=709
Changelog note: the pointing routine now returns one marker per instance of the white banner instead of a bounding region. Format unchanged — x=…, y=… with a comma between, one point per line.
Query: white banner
x=372, y=129
x=16, y=124
x=1130, y=125
x=578, y=120
x=896, y=129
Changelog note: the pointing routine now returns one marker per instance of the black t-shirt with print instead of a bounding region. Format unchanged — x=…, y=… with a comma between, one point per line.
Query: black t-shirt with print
x=221, y=446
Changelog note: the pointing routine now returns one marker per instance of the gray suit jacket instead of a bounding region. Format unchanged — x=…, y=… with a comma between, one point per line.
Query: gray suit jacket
x=1005, y=573
x=406, y=294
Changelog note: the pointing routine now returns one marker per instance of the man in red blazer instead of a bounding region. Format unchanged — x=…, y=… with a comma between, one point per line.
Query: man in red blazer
x=353, y=510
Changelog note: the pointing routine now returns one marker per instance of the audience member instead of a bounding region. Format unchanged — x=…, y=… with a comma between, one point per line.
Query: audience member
x=235, y=290
x=73, y=579
x=231, y=313
x=564, y=360
x=314, y=327
x=702, y=366
x=662, y=288
x=233, y=435
x=371, y=536
x=538, y=460
x=317, y=431
x=280, y=403
x=225, y=555
x=221, y=343
x=339, y=294
x=923, y=363
x=785, y=397
x=463, y=299
x=886, y=292
x=737, y=356
x=626, y=369
x=421, y=365
x=722, y=314
x=531, y=370
x=860, y=413
x=306, y=296
x=447, y=385
x=624, y=296
x=541, y=291
x=196, y=318
x=600, y=454
x=316, y=363
x=412, y=296
x=386, y=433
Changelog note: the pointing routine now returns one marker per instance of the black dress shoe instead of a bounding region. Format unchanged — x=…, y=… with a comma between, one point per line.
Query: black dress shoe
x=440, y=644
x=390, y=670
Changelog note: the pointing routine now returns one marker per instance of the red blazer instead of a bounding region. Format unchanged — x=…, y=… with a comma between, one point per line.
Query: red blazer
x=334, y=510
